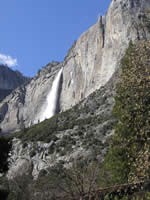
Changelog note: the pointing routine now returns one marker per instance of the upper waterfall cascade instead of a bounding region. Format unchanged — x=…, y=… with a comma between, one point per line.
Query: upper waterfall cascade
x=52, y=99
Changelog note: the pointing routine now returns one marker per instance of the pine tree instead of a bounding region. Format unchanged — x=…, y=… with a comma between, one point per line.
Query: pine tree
x=128, y=159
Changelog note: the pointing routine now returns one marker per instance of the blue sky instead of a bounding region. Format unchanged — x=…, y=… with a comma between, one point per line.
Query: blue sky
x=35, y=32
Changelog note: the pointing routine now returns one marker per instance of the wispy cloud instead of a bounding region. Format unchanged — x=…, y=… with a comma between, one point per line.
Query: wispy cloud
x=8, y=60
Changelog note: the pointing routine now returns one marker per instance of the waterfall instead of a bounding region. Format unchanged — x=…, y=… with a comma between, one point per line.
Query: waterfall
x=52, y=99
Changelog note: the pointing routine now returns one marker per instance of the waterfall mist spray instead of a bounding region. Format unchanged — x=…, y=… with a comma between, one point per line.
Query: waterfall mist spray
x=52, y=98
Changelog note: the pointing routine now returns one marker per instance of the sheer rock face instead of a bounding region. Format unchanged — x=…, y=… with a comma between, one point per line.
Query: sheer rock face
x=82, y=66
x=90, y=63
x=96, y=55
x=9, y=80
x=22, y=107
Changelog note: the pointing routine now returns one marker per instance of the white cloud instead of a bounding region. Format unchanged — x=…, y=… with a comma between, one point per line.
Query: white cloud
x=8, y=60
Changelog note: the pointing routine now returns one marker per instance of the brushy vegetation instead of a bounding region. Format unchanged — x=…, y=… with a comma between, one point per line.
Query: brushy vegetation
x=48, y=129
x=128, y=158
x=85, y=125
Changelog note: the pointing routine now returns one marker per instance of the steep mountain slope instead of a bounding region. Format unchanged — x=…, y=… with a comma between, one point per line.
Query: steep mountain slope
x=9, y=80
x=24, y=105
x=80, y=131
x=97, y=53
x=88, y=82
x=84, y=131
x=89, y=64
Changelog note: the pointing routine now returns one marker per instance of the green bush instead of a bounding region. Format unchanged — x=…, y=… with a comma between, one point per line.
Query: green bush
x=128, y=157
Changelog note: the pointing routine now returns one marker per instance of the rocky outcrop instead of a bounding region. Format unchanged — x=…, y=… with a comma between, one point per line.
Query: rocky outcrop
x=9, y=80
x=79, y=132
x=89, y=64
x=25, y=104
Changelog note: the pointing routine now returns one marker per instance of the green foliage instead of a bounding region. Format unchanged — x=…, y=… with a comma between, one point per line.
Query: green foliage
x=128, y=157
x=19, y=187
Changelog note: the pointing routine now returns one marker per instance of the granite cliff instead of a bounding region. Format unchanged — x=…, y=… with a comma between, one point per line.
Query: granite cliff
x=89, y=64
x=83, y=123
x=87, y=133
x=9, y=80
x=78, y=132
